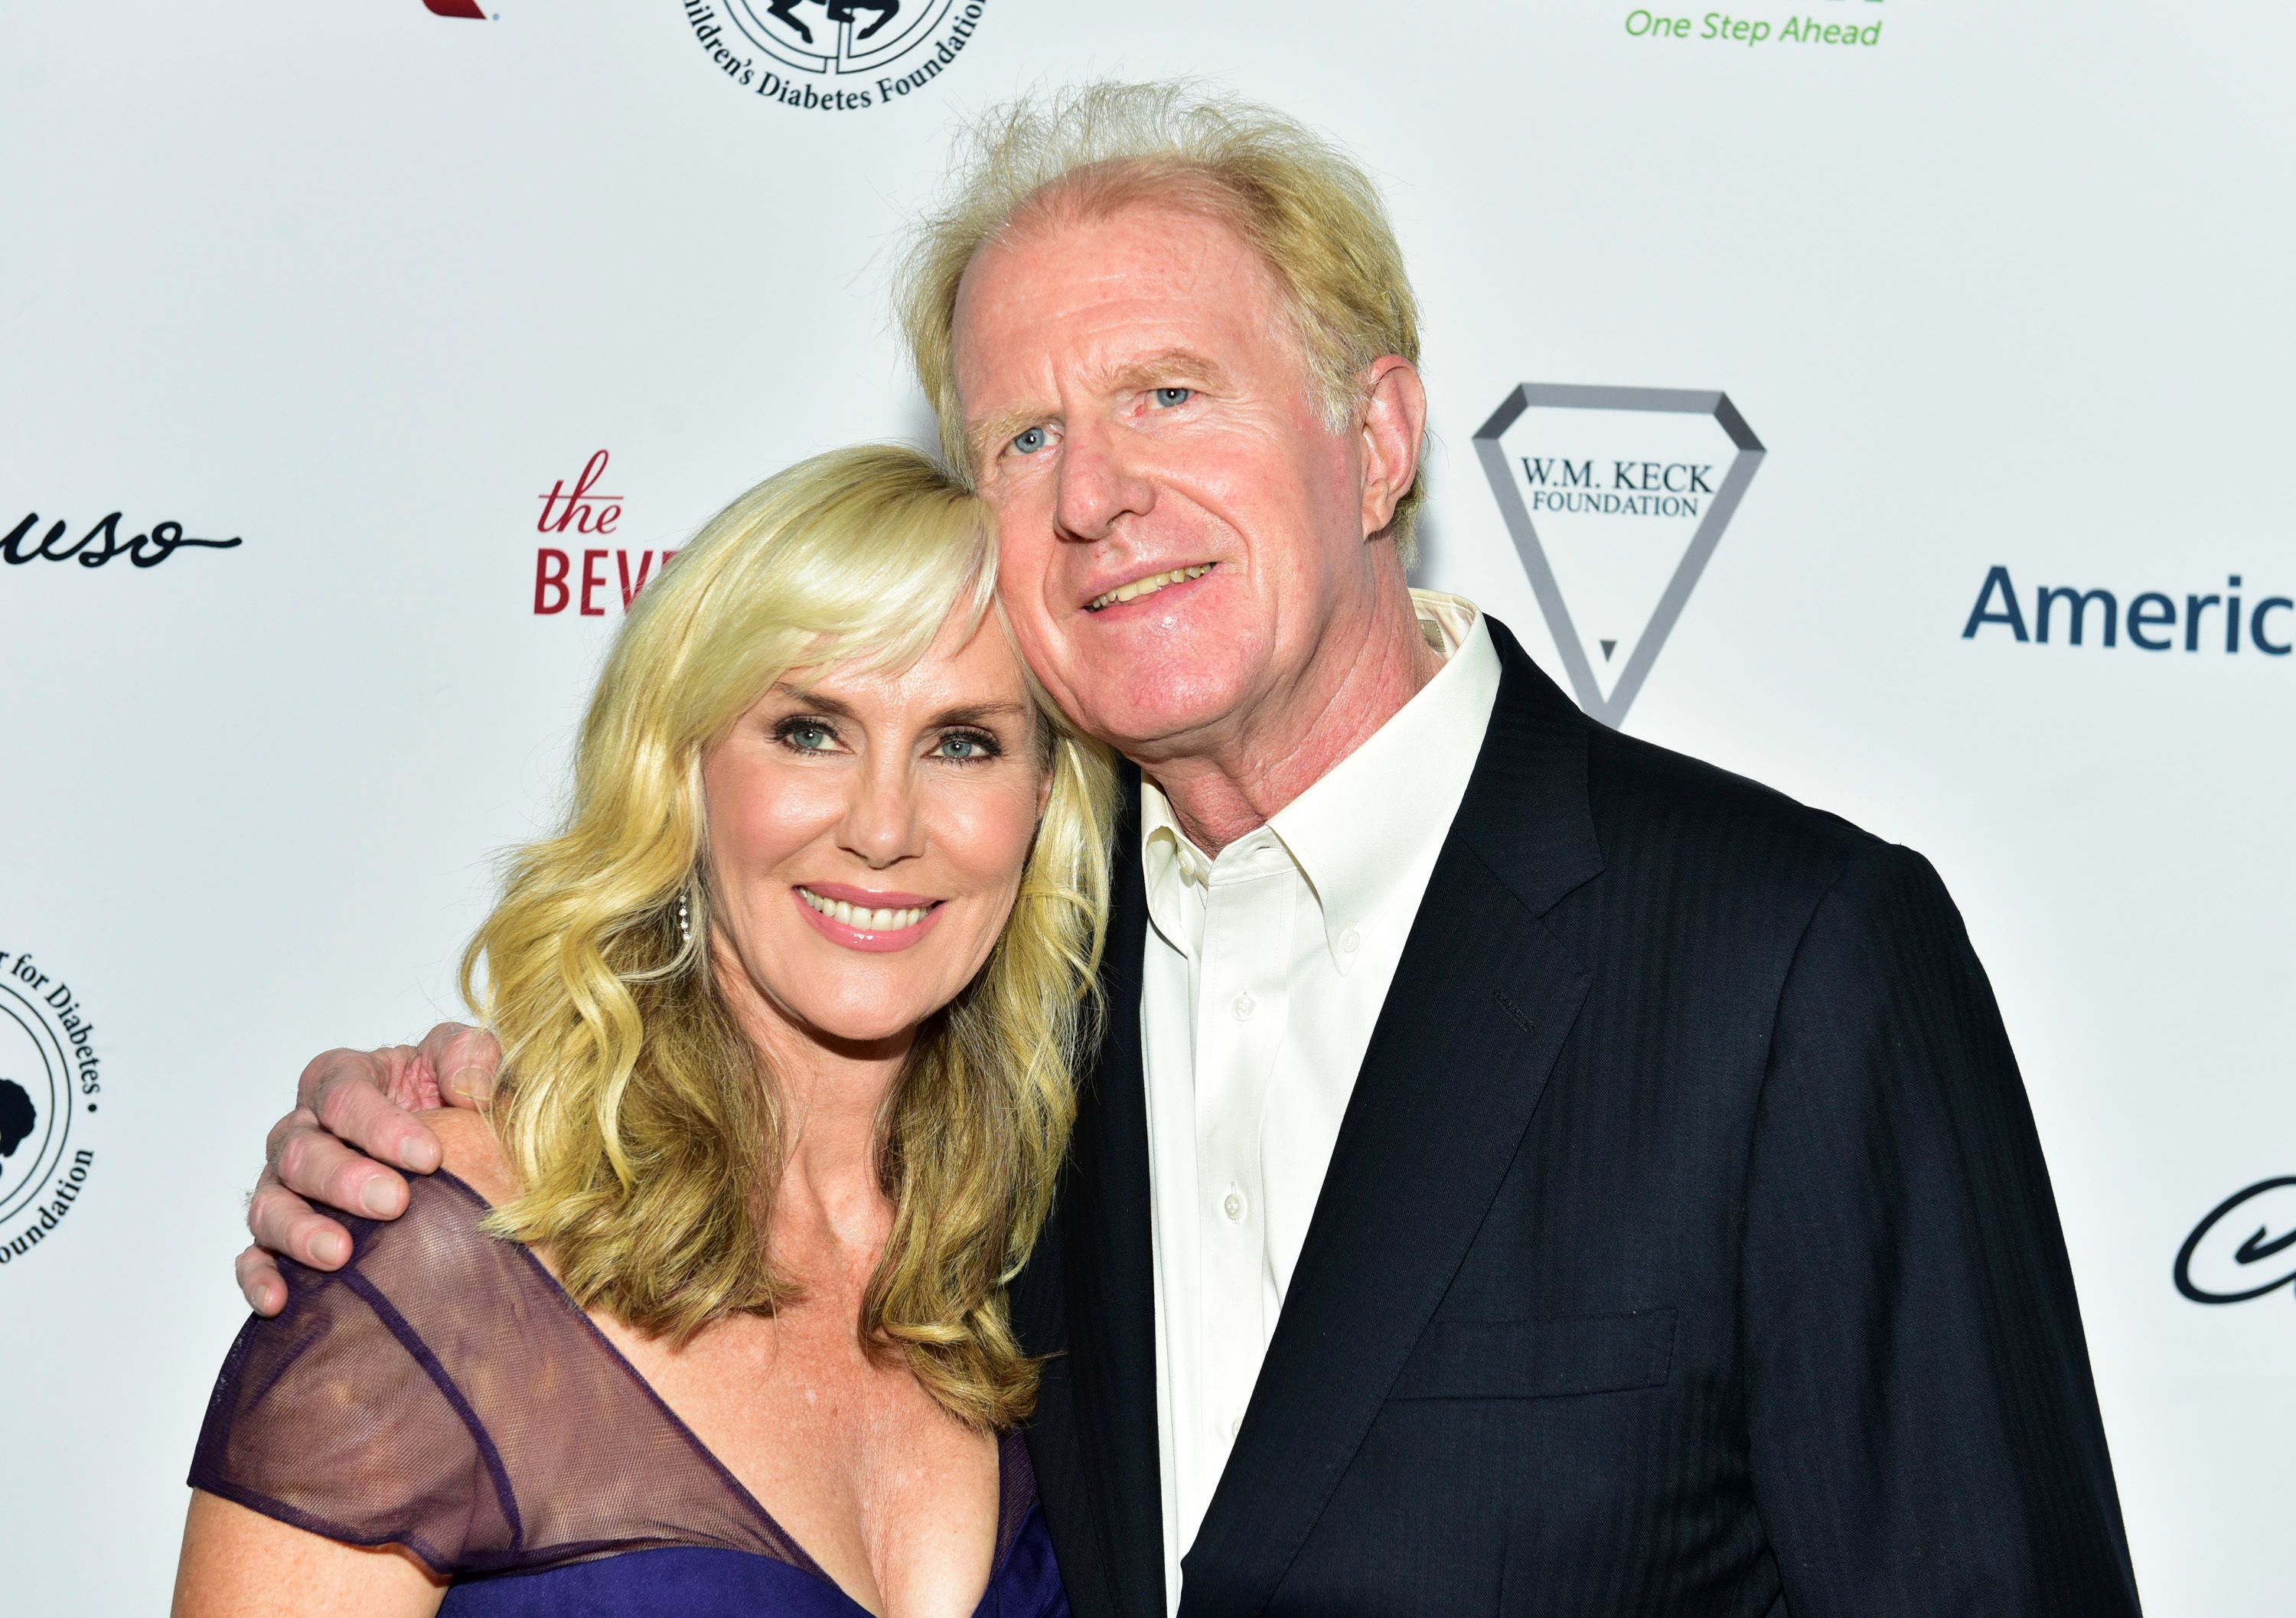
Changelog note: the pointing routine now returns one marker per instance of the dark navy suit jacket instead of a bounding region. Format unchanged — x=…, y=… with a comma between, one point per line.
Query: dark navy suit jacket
x=1687, y=1247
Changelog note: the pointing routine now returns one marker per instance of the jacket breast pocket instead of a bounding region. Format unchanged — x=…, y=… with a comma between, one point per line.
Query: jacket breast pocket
x=1539, y=1359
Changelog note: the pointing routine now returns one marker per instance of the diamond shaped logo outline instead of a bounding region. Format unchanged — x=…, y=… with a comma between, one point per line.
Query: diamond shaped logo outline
x=1611, y=710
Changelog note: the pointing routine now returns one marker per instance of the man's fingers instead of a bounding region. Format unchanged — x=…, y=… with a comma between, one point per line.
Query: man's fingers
x=283, y=1223
x=466, y=1060
x=311, y=1163
x=260, y=1281
x=374, y=1067
x=350, y=1107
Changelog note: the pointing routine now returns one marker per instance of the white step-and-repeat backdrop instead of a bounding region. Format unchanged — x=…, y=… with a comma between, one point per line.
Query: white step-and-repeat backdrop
x=1891, y=400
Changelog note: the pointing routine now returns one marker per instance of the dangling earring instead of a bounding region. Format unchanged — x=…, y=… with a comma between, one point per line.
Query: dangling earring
x=685, y=922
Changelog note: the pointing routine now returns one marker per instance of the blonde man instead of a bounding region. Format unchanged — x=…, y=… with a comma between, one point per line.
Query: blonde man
x=1527, y=1171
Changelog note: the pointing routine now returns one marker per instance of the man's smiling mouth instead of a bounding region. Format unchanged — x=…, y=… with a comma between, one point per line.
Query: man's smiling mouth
x=1148, y=585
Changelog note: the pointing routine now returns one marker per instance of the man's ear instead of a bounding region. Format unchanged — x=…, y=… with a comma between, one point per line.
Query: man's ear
x=1394, y=426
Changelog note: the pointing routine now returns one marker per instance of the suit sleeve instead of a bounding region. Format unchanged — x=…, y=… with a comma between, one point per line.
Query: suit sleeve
x=1925, y=1430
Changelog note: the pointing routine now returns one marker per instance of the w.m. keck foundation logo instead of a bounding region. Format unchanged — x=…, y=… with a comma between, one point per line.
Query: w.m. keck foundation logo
x=1615, y=496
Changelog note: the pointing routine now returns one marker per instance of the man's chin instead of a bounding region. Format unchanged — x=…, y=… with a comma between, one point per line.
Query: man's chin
x=1152, y=734
x=1156, y=707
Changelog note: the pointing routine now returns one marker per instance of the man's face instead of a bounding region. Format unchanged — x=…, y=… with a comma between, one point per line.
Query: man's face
x=1179, y=528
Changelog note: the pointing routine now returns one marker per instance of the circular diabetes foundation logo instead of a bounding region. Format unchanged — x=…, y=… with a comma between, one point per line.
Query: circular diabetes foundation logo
x=833, y=55
x=50, y=1087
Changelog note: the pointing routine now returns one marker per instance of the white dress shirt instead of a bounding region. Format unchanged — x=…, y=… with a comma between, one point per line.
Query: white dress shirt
x=1266, y=970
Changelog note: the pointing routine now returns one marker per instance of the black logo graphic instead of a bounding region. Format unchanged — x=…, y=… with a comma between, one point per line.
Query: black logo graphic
x=849, y=55
x=785, y=11
x=50, y=1084
x=101, y=543
x=2246, y=1248
x=17, y=1116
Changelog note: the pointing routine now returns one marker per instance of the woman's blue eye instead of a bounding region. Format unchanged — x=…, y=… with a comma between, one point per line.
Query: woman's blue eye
x=807, y=735
x=966, y=749
x=1030, y=441
x=1166, y=397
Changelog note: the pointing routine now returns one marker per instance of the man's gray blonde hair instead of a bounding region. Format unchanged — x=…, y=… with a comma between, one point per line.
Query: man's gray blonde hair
x=1309, y=211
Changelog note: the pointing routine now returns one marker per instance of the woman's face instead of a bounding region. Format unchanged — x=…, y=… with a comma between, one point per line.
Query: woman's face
x=866, y=836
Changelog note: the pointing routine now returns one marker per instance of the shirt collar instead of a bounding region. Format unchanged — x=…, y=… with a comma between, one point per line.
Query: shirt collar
x=1167, y=860
x=1356, y=835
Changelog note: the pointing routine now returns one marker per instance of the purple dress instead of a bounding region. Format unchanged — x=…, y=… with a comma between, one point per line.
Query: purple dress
x=441, y=1391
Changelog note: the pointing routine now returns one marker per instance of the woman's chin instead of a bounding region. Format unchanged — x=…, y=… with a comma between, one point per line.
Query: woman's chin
x=876, y=1027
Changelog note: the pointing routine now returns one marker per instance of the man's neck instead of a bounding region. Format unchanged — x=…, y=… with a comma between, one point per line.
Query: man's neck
x=1359, y=681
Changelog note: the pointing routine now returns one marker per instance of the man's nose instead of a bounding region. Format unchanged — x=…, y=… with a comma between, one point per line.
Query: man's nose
x=882, y=825
x=1099, y=486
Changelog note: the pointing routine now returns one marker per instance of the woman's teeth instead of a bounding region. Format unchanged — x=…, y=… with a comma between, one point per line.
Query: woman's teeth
x=861, y=916
x=1147, y=586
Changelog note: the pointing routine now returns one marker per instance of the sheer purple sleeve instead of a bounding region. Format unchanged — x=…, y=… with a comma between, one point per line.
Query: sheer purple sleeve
x=442, y=1392
x=339, y=1417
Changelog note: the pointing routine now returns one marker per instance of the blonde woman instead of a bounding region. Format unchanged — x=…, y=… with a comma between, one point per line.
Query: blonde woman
x=708, y=1314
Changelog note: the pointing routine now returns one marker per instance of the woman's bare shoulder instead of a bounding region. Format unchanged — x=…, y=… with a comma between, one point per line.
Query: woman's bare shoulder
x=240, y=1563
x=471, y=1153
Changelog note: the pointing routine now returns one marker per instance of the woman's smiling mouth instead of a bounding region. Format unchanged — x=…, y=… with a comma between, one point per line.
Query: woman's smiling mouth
x=848, y=917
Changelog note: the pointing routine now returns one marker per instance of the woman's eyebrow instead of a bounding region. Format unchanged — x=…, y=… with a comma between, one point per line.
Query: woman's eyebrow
x=978, y=713
x=966, y=714
x=816, y=699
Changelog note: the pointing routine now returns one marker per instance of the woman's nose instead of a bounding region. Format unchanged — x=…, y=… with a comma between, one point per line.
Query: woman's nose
x=882, y=825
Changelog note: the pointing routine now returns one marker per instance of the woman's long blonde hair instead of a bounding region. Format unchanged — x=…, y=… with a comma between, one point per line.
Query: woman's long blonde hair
x=644, y=1126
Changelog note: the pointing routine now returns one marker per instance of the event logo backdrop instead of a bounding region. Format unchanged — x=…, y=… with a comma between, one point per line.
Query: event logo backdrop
x=50, y=1083
x=1616, y=498
x=363, y=369
x=848, y=56
x=2245, y=1249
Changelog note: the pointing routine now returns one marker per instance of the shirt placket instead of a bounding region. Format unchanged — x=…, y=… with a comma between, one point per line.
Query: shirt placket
x=1243, y=1001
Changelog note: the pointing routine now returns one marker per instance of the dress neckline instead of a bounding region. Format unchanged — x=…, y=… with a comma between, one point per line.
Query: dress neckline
x=803, y=1558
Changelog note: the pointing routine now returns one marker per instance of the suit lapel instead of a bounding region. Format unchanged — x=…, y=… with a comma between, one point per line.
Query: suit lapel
x=1480, y=1005
x=1108, y=1266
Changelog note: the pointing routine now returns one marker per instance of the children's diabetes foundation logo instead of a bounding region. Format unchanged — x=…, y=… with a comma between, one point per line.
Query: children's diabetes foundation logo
x=1616, y=497
x=584, y=568
x=50, y=1085
x=832, y=55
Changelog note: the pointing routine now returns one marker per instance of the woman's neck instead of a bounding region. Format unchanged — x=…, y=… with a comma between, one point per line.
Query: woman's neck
x=831, y=1095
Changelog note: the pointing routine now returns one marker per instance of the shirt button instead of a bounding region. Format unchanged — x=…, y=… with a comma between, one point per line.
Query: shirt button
x=1235, y=1425
x=1349, y=940
x=1232, y=1204
x=1244, y=1007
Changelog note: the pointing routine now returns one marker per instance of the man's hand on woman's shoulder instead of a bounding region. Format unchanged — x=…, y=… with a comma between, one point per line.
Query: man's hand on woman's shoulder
x=354, y=1115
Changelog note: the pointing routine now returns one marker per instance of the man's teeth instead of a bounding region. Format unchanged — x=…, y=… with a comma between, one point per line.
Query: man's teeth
x=1146, y=587
x=861, y=916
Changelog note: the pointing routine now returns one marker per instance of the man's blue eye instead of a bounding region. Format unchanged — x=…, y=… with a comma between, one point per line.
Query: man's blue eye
x=1030, y=441
x=1166, y=397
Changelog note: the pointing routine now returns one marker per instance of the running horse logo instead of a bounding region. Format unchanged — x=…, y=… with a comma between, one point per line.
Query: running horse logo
x=840, y=11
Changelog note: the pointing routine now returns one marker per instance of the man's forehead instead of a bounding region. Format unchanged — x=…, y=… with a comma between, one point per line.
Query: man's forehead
x=1095, y=301
x=1147, y=240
